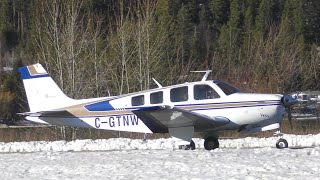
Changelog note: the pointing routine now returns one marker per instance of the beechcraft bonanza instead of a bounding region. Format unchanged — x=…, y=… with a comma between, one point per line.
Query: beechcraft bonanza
x=205, y=106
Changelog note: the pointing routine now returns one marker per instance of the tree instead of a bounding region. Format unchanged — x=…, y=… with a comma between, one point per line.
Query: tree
x=63, y=31
x=12, y=97
x=311, y=10
x=230, y=37
x=263, y=18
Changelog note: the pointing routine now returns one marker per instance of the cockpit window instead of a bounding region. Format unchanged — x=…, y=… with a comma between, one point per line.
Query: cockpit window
x=204, y=91
x=226, y=88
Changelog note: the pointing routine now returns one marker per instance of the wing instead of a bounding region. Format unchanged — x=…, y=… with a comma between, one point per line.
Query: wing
x=160, y=118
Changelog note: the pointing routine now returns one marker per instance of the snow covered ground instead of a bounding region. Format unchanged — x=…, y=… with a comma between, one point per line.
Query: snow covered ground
x=247, y=158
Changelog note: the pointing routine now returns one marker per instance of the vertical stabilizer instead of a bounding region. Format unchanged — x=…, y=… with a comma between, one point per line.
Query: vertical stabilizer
x=42, y=92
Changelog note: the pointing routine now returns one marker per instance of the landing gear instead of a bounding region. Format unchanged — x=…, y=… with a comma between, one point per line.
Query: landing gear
x=191, y=146
x=281, y=143
x=211, y=143
x=145, y=137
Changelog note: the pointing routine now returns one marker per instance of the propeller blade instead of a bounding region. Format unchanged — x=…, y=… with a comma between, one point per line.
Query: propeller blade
x=290, y=117
x=287, y=102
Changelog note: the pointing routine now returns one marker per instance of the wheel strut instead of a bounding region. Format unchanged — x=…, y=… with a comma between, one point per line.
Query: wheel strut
x=281, y=142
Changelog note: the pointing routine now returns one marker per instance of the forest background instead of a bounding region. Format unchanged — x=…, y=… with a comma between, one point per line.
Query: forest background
x=96, y=48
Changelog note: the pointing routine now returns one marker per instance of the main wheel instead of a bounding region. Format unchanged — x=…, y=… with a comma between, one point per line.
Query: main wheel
x=192, y=145
x=211, y=143
x=282, y=143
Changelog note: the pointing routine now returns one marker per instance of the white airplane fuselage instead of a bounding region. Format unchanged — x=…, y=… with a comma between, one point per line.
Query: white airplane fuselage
x=115, y=113
x=205, y=106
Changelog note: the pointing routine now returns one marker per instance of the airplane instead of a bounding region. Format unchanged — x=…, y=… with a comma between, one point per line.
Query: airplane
x=206, y=106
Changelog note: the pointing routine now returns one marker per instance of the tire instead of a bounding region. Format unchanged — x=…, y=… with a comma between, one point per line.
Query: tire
x=282, y=143
x=192, y=145
x=211, y=143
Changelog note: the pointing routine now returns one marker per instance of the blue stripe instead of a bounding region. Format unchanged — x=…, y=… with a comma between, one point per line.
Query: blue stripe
x=25, y=74
x=100, y=106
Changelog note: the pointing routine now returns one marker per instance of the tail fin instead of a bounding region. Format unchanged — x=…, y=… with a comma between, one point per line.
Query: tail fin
x=42, y=92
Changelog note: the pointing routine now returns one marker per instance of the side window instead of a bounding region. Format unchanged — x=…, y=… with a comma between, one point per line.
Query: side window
x=156, y=97
x=204, y=92
x=137, y=100
x=179, y=94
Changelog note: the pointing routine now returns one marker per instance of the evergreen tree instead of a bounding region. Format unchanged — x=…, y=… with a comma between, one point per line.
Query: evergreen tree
x=292, y=20
x=3, y=16
x=219, y=13
x=180, y=34
x=263, y=18
x=174, y=7
x=230, y=37
x=311, y=10
x=12, y=97
x=183, y=32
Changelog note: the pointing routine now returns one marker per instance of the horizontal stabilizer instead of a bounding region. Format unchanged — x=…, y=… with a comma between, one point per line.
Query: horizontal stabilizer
x=54, y=113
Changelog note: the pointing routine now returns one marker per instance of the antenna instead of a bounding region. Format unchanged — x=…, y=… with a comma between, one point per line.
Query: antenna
x=159, y=85
x=204, y=78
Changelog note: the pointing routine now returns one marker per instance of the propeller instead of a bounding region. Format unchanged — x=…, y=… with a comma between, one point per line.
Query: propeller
x=287, y=102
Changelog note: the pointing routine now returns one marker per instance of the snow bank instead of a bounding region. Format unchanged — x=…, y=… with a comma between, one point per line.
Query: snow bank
x=134, y=144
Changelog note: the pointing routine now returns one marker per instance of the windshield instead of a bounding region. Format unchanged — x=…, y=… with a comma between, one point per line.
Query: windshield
x=226, y=88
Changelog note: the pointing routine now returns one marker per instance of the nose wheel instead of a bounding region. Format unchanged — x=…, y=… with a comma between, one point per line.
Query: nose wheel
x=281, y=143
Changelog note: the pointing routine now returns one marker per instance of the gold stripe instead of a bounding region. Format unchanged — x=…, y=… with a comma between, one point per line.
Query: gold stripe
x=226, y=105
x=32, y=70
